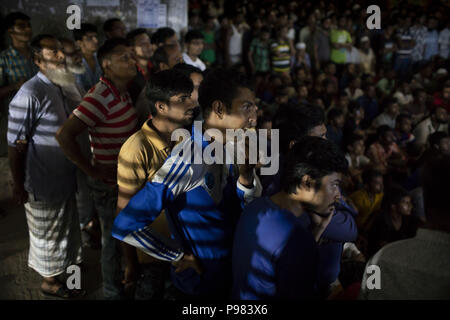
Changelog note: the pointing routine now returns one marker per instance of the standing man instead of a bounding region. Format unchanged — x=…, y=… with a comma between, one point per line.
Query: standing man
x=141, y=156
x=107, y=112
x=194, y=41
x=44, y=179
x=274, y=255
x=86, y=39
x=16, y=67
x=114, y=28
x=202, y=201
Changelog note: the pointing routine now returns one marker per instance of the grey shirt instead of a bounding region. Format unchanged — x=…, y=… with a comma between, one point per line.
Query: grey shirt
x=35, y=114
x=417, y=268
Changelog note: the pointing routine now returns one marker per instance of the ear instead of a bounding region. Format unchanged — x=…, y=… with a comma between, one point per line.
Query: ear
x=218, y=108
x=106, y=63
x=160, y=106
x=307, y=182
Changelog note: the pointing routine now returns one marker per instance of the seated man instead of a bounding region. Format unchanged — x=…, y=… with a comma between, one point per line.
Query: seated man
x=274, y=255
x=202, y=201
x=394, y=222
x=417, y=268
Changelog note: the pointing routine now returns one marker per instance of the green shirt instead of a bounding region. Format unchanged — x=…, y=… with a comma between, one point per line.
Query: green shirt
x=208, y=54
x=260, y=55
x=342, y=37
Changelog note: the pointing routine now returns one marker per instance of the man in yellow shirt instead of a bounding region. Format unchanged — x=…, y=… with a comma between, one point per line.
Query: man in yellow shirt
x=141, y=156
x=368, y=200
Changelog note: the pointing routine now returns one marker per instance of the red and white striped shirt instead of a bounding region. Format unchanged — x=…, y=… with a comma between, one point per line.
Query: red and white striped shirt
x=111, y=119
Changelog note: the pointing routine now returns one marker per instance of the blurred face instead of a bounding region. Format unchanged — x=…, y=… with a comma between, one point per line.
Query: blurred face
x=331, y=69
x=358, y=147
x=21, y=31
x=371, y=92
x=444, y=146
x=196, y=78
x=243, y=113
x=118, y=30
x=89, y=42
x=318, y=131
x=394, y=109
x=121, y=64
x=326, y=24
x=343, y=101
x=142, y=47
x=265, y=36
x=173, y=40
x=441, y=115
x=387, y=139
x=376, y=185
x=323, y=200
x=446, y=93
x=180, y=110
x=405, y=126
x=195, y=47
x=339, y=121
x=303, y=92
x=73, y=58
x=174, y=56
x=404, y=207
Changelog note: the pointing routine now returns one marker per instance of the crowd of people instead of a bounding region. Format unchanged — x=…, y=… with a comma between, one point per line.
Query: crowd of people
x=361, y=118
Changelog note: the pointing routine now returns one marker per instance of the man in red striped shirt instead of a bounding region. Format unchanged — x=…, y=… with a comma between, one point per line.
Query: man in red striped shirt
x=107, y=112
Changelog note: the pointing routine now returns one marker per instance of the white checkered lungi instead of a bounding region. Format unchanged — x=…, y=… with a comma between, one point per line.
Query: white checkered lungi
x=55, y=236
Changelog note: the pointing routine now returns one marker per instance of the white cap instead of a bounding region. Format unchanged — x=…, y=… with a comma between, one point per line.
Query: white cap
x=300, y=45
x=364, y=39
x=441, y=71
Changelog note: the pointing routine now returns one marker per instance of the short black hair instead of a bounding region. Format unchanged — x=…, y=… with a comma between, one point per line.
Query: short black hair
x=108, y=47
x=295, y=121
x=134, y=33
x=393, y=195
x=85, y=28
x=187, y=69
x=161, y=35
x=383, y=130
x=10, y=19
x=193, y=35
x=350, y=141
x=334, y=113
x=36, y=46
x=370, y=174
x=160, y=55
x=165, y=84
x=108, y=25
x=311, y=156
x=436, y=137
x=220, y=84
x=401, y=117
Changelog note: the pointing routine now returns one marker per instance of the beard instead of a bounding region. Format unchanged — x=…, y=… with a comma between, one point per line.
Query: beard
x=61, y=76
x=76, y=68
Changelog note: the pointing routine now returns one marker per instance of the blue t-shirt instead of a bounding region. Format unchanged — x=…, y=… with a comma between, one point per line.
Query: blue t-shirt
x=274, y=256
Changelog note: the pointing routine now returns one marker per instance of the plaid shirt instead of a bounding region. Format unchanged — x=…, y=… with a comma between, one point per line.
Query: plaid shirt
x=13, y=67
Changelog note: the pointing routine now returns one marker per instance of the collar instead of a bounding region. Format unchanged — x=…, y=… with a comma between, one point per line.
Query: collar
x=153, y=136
x=44, y=78
x=111, y=86
x=149, y=69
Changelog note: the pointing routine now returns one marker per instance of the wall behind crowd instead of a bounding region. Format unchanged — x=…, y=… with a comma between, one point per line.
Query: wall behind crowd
x=49, y=16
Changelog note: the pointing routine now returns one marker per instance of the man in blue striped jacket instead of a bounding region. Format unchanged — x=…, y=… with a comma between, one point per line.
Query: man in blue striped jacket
x=202, y=201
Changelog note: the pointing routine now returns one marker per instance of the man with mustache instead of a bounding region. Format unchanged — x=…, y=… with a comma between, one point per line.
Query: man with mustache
x=274, y=255
x=108, y=114
x=16, y=67
x=44, y=179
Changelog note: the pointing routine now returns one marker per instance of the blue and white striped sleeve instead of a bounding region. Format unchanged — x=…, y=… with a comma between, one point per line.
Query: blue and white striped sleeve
x=22, y=115
x=132, y=223
x=247, y=195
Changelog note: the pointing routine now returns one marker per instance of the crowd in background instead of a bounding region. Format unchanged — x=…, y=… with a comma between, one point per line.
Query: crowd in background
x=381, y=96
